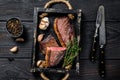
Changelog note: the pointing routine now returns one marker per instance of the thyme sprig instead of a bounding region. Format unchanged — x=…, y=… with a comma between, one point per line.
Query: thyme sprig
x=71, y=52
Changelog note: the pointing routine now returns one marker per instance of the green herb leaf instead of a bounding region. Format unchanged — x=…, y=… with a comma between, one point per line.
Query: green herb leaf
x=71, y=52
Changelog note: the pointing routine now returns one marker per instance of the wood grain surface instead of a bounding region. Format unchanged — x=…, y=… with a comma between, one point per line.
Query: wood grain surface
x=17, y=66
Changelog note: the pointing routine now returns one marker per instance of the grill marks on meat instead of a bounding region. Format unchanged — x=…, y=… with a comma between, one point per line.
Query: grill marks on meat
x=64, y=30
x=48, y=42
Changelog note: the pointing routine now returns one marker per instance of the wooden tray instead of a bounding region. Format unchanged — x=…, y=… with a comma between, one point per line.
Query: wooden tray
x=52, y=14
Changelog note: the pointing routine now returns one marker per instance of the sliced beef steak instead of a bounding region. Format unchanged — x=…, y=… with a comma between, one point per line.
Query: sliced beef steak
x=54, y=55
x=48, y=42
x=64, y=30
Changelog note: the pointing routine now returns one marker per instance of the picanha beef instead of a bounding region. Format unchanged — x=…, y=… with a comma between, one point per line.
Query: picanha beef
x=54, y=55
x=48, y=42
x=64, y=30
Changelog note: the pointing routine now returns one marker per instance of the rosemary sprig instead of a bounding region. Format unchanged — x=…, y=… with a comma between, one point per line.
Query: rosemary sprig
x=71, y=52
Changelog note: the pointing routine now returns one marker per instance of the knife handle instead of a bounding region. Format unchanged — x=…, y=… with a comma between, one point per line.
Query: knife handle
x=102, y=63
x=93, y=51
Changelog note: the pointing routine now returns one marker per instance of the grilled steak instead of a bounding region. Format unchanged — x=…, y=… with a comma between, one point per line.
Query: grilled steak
x=54, y=55
x=48, y=42
x=64, y=30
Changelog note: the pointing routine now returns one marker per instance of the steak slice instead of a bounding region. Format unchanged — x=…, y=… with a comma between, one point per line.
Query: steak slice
x=48, y=42
x=64, y=30
x=54, y=55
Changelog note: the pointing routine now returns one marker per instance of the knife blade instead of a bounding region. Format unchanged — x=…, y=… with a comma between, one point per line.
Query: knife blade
x=102, y=42
x=95, y=37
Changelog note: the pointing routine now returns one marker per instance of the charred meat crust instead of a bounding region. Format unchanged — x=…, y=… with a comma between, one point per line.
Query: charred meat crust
x=58, y=33
x=64, y=30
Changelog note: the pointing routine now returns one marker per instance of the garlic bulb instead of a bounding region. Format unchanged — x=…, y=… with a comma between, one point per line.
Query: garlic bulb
x=44, y=23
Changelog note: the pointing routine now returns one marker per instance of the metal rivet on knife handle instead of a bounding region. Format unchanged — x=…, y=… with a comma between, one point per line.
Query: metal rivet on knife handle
x=93, y=51
x=102, y=63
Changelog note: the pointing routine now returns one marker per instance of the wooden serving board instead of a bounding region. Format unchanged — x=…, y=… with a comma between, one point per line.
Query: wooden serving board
x=52, y=14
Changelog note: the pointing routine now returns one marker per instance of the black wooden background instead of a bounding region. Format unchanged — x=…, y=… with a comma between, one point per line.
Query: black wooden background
x=17, y=66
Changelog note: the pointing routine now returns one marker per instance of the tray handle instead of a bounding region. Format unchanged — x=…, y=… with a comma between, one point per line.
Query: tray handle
x=71, y=16
x=48, y=4
x=44, y=77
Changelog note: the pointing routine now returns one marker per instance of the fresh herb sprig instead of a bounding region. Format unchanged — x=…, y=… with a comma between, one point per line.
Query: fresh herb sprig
x=71, y=52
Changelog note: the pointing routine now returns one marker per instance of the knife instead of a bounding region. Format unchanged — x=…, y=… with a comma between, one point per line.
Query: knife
x=102, y=42
x=95, y=38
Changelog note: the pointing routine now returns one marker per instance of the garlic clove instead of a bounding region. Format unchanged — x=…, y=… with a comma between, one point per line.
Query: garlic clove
x=40, y=37
x=20, y=40
x=42, y=27
x=39, y=62
x=14, y=49
x=68, y=67
x=44, y=23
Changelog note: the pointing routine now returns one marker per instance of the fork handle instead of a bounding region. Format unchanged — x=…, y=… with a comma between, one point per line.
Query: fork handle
x=93, y=51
